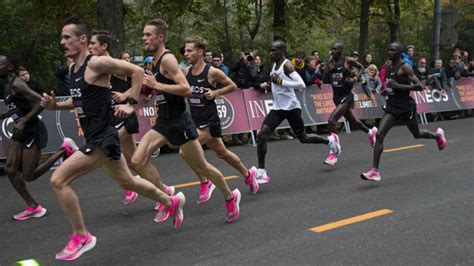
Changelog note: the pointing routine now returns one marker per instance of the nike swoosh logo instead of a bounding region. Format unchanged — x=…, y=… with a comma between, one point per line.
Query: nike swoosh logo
x=88, y=150
x=119, y=125
x=78, y=79
x=201, y=80
x=28, y=145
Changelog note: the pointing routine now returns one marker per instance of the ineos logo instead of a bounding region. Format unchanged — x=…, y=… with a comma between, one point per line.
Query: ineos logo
x=225, y=110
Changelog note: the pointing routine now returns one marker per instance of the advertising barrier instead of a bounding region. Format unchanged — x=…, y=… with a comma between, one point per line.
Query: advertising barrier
x=245, y=110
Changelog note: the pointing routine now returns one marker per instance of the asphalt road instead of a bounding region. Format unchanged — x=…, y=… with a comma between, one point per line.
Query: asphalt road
x=430, y=193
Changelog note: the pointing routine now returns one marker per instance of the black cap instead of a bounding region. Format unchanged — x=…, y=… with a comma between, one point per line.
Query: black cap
x=355, y=53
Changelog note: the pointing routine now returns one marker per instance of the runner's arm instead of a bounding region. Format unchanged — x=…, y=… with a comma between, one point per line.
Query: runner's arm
x=415, y=85
x=217, y=76
x=21, y=88
x=296, y=81
x=171, y=70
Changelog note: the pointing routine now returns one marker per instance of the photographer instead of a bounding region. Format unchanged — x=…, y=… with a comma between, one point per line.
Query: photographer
x=245, y=70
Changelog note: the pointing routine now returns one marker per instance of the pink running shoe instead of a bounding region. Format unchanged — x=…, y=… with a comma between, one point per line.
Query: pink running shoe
x=170, y=190
x=262, y=177
x=371, y=175
x=441, y=139
x=334, y=144
x=77, y=246
x=251, y=180
x=205, y=192
x=372, y=136
x=176, y=210
x=69, y=146
x=129, y=197
x=233, y=206
x=162, y=214
x=29, y=212
x=331, y=160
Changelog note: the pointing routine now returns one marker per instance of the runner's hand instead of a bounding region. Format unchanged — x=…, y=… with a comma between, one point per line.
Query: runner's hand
x=276, y=79
x=210, y=94
x=49, y=101
x=19, y=126
x=119, y=97
x=150, y=81
x=123, y=110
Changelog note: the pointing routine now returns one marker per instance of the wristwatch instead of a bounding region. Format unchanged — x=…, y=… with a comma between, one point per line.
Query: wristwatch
x=132, y=101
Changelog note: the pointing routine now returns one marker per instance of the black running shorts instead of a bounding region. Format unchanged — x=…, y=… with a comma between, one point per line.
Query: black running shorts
x=34, y=134
x=108, y=141
x=178, y=130
x=275, y=117
x=130, y=123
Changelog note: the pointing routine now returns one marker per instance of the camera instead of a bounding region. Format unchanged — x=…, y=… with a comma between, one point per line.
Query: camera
x=248, y=56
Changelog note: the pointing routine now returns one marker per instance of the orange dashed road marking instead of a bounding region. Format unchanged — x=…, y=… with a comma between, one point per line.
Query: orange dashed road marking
x=352, y=220
x=197, y=182
x=405, y=148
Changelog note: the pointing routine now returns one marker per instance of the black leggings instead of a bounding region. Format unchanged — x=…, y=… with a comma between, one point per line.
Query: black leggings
x=344, y=109
x=387, y=122
x=22, y=165
x=271, y=122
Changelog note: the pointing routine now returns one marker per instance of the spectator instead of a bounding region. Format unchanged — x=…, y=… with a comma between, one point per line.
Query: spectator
x=183, y=64
x=245, y=70
x=408, y=55
x=2, y=90
x=373, y=82
x=420, y=70
x=317, y=56
x=367, y=61
x=217, y=63
x=452, y=72
x=125, y=56
x=23, y=73
x=312, y=76
x=262, y=77
x=298, y=63
x=355, y=55
x=437, y=77
x=148, y=66
x=209, y=57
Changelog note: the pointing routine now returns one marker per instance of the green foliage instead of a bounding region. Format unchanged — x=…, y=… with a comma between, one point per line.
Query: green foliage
x=31, y=28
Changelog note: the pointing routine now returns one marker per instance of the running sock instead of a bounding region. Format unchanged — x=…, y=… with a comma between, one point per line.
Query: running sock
x=207, y=182
x=230, y=199
x=375, y=169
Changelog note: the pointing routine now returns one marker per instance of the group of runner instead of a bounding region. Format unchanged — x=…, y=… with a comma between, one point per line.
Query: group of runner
x=104, y=90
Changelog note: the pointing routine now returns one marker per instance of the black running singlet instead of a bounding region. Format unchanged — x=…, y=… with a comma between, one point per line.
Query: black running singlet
x=169, y=106
x=202, y=109
x=18, y=107
x=91, y=103
x=119, y=85
x=338, y=80
x=398, y=98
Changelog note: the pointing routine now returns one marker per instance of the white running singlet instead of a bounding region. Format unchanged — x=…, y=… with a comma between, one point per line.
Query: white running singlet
x=284, y=98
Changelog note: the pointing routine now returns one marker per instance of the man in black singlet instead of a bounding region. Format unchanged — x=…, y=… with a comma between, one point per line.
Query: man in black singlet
x=174, y=124
x=203, y=79
x=399, y=107
x=120, y=86
x=28, y=138
x=338, y=73
x=91, y=99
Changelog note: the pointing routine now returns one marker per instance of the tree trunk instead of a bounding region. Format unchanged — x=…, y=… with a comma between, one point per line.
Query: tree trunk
x=279, y=22
x=227, y=46
x=364, y=26
x=394, y=19
x=110, y=18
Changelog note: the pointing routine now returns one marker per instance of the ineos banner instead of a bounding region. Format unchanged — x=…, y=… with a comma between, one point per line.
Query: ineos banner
x=245, y=110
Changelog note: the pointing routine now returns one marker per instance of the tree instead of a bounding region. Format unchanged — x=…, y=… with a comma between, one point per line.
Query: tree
x=364, y=26
x=393, y=19
x=110, y=17
x=279, y=21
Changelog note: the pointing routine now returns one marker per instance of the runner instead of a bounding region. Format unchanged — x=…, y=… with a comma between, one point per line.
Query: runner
x=91, y=99
x=338, y=73
x=285, y=106
x=28, y=138
x=203, y=79
x=120, y=86
x=174, y=124
x=400, y=107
